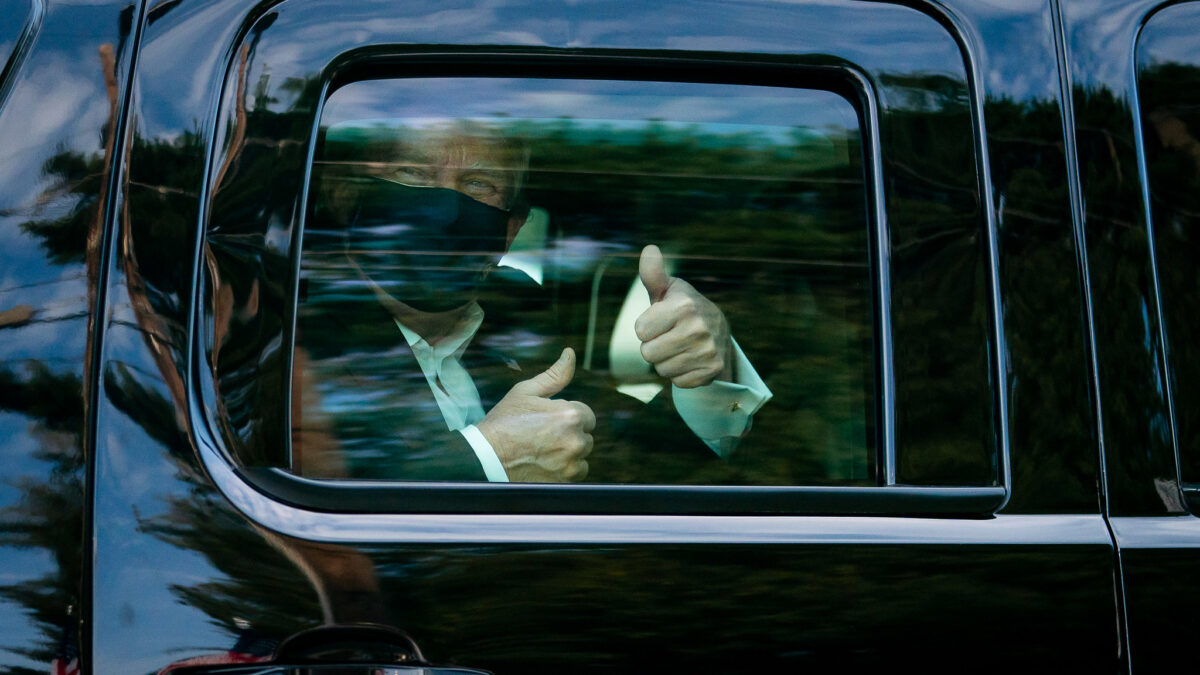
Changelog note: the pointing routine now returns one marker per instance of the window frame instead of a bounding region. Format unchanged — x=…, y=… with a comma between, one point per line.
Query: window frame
x=835, y=75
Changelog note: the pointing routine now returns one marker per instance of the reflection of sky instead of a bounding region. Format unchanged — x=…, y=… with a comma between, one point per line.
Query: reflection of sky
x=1169, y=36
x=56, y=293
x=1100, y=34
x=13, y=15
x=611, y=101
x=878, y=37
x=57, y=102
x=1018, y=61
x=142, y=617
x=189, y=28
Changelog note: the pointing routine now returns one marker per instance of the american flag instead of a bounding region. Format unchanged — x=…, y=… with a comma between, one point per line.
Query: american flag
x=66, y=657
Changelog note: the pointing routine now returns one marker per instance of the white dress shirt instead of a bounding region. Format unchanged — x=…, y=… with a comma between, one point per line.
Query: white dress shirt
x=452, y=387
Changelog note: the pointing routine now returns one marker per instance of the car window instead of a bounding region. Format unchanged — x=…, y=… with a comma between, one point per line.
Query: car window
x=1169, y=97
x=821, y=207
x=462, y=232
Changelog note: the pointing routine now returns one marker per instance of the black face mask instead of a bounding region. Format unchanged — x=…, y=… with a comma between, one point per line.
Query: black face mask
x=428, y=247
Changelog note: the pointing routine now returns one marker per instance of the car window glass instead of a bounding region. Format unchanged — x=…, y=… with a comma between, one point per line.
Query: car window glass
x=1169, y=97
x=462, y=232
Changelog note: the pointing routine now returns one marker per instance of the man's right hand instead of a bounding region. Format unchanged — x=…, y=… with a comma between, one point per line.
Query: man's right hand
x=539, y=439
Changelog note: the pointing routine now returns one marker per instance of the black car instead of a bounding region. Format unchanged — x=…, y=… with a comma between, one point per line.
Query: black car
x=718, y=336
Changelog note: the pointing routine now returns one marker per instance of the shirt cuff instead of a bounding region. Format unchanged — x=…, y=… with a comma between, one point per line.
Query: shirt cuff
x=492, y=468
x=720, y=413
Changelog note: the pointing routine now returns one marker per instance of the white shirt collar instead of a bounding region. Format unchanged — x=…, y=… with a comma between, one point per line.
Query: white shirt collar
x=454, y=342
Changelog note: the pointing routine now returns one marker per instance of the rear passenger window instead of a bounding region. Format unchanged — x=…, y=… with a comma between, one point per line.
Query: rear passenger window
x=756, y=272
x=1169, y=97
x=462, y=232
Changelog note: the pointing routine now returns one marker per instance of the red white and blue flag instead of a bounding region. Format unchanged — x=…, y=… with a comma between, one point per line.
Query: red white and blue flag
x=66, y=657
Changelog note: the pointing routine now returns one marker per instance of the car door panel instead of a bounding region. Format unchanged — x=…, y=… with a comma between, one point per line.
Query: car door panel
x=191, y=560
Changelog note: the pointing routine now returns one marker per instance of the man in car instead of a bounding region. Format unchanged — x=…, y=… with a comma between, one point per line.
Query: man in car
x=416, y=227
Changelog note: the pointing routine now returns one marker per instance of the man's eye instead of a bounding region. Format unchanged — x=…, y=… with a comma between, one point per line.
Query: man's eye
x=412, y=175
x=479, y=187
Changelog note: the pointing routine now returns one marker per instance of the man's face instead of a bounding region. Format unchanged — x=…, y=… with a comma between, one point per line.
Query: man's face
x=464, y=157
x=435, y=215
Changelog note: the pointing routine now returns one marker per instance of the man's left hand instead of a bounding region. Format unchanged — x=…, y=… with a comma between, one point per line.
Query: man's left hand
x=684, y=335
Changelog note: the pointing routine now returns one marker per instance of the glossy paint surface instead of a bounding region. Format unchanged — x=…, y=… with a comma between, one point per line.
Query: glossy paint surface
x=179, y=571
x=1131, y=115
x=1133, y=111
x=65, y=67
x=1135, y=418
x=1054, y=460
x=190, y=560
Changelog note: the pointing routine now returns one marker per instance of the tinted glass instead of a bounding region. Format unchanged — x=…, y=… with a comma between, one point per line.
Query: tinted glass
x=1169, y=93
x=463, y=232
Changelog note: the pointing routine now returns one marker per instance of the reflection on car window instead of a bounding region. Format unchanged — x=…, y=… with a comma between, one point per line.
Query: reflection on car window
x=557, y=281
x=1169, y=74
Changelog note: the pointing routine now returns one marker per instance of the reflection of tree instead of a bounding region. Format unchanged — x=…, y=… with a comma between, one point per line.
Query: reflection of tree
x=49, y=515
x=772, y=227
x=1051, y=424
x=810, y=327
x=1170, y=100
x=264, y=586
x=79, y=184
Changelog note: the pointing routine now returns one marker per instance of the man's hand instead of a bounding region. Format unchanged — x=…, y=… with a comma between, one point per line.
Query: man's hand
x=538, y=439
x=684, y=335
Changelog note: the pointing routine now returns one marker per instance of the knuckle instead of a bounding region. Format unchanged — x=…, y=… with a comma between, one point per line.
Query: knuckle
x=573, y=416
x=641, y=328
x=579, y=471
x=647, y=353
x=575, y=445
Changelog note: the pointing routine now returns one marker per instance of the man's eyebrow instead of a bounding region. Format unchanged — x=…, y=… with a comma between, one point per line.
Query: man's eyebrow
x=481, y=167
x=410, y=153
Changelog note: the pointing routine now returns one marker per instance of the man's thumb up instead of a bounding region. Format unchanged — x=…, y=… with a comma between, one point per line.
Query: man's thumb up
x=539, y=439
x=552, y=380
x=653, y=273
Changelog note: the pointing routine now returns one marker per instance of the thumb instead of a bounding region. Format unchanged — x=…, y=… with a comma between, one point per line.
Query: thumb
x=653, y=274
x=552, y=380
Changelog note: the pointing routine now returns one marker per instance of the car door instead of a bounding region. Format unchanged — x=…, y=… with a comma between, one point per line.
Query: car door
x=874, y=194
x=1138, y=108
x=64, y=70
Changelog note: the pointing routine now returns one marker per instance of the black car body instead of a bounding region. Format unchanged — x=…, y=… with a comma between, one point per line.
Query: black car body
x=1031, y=171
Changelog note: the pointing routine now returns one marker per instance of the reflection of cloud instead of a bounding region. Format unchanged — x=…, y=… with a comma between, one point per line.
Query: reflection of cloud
x=183, y=31
x=439, y=99
x=53, y=101
x=1092, y=30
x=1170, y=35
